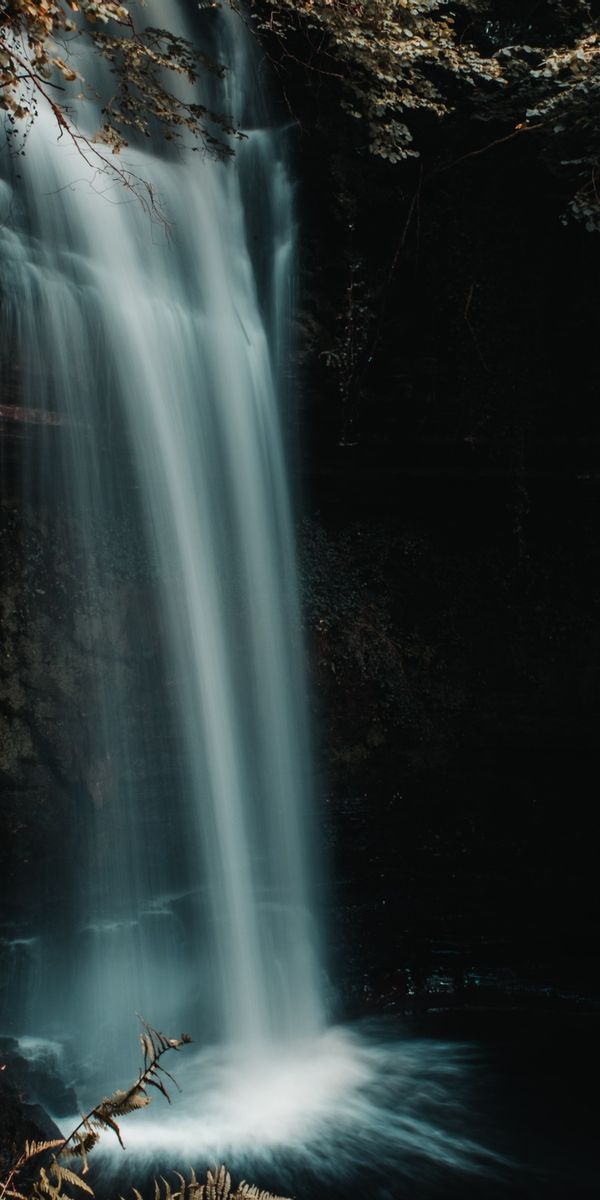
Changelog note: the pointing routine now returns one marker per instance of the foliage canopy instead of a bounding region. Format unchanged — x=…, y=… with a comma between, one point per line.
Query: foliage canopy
x=529, y=68
x=41, y=44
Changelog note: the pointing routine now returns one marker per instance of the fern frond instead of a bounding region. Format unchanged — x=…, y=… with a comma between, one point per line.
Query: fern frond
x=163, y=1071
x=83, y=1142
x=168, y=1192
x=122, y=1102
x=195, y=1190
x=32, y=1148
x=148, y=1048
x=80, y=1145
x=156, y=1081
x=181, y=1194
x=223, y=1183
x=46, y=1187
x=157, y=1042
x=249, y=1191
x=105, y=1121
x=65, y=1175
x=217, y=1187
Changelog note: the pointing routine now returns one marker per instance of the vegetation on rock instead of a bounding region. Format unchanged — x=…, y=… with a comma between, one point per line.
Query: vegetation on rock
x=528, y=69
x=54, y=1179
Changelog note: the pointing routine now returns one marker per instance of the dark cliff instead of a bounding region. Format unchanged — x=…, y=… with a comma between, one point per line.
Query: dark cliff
x=447, y=343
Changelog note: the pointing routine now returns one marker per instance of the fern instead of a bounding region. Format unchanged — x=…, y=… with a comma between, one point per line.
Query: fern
x=247, y=1191
x=65, y=1175
x=216, y=1187
x=51, y=1183
x=31, y=1149
x=54, y=1180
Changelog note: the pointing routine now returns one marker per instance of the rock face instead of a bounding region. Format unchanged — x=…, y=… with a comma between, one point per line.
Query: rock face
x=451, y=470
x=36, y=1079
x=22, y=1118
x=62, y=644
x=458, y=724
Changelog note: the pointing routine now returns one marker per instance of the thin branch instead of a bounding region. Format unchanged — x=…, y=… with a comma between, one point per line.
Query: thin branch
x=141, y=188
x=467, y=320
x=522, y=128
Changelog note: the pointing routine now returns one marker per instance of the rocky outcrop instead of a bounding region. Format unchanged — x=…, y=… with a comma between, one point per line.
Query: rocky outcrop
x=21, y=1118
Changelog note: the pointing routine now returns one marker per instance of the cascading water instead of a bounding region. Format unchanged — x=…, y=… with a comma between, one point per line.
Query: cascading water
x=178, y=341
x=157, y=365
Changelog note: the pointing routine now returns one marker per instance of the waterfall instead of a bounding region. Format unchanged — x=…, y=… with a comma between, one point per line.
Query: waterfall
x=163, y=356
x=151, y=371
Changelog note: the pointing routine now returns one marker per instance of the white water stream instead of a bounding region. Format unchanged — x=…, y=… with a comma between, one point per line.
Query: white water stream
x=178, y=339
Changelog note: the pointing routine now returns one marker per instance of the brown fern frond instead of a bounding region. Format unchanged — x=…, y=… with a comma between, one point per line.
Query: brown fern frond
x=155, y=1081
x=195, y=1190
x=181, y=1194
x=249, y=1191
x=122, y=1102
x=105, y=1121
x=80, y=1144
x=83, y=1142
x=163, y=1071
x=30, y=1149
x=159, y=1042
x=64, y=1175
x=147, y=1048
x=217, y=1187
x=168, y=1194
x=222, y=1183
x=46, y=1188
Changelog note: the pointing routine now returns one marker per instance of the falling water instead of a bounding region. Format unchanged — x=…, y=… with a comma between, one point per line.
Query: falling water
x=176, y=345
